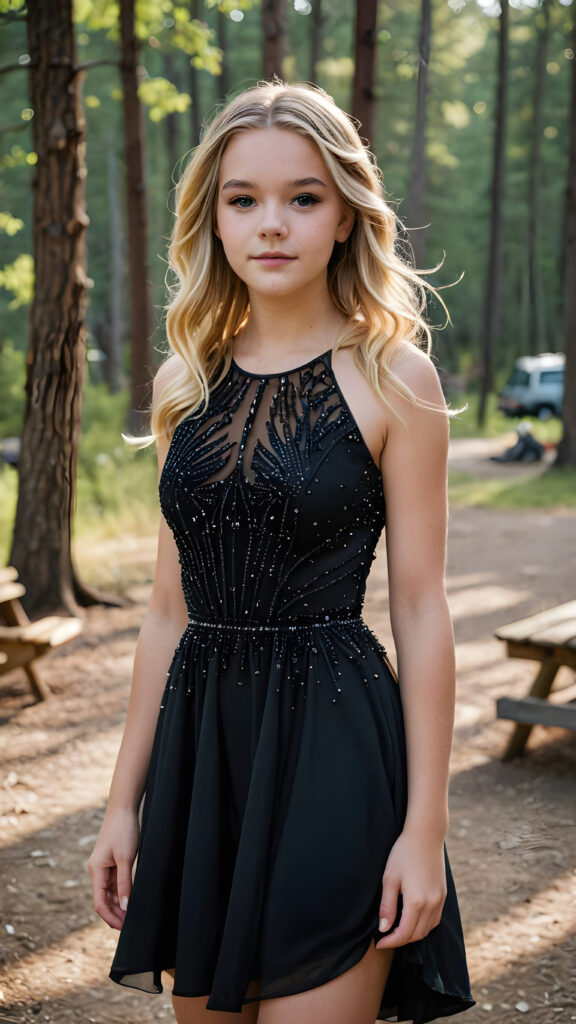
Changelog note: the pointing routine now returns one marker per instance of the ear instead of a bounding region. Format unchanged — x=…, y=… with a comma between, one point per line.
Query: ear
x=345, y=224
x=215, y=229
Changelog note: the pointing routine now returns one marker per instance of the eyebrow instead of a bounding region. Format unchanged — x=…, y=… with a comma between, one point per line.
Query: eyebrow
x=235, y=183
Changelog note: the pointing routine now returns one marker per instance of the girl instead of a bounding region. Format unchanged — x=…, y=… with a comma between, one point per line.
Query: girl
x=291, y=860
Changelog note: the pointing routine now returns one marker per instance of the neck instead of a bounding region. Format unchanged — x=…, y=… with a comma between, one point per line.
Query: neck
x=289, y=325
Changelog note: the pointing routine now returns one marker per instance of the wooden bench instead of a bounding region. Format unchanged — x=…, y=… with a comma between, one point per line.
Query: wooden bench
x=550, y=638
x=22, y=642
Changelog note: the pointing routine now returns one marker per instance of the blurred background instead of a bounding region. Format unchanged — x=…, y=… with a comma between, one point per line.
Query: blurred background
x=467, y=105
x=470, y=108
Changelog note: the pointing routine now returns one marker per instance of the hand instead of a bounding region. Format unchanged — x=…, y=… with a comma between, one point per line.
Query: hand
x=110, y=866
x=416, y=869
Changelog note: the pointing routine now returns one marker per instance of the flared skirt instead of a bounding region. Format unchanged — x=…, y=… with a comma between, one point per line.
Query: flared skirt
x=275, y=791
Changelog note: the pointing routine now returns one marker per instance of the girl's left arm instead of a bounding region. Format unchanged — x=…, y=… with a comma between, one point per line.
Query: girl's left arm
x=413, y=464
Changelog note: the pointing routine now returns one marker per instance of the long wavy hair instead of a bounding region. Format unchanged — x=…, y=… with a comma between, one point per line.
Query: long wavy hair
x=382, y=296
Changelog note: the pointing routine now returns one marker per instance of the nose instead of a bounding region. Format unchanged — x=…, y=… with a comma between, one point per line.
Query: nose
x=273, y=223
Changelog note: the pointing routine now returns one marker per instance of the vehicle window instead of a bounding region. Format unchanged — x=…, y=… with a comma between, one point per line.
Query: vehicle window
x=552, y=377
x=518, y=377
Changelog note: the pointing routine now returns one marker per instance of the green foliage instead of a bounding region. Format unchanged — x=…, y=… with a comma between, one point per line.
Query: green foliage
x=10, y=225
x=227, y=6
x=18, y=157
x=18, y=278
x=113, y=479
x=8, y=497
x=116, y=486
x=12, y=6
x=12, y=382
x=195, y=39
x=162, y=98
x=163, y=25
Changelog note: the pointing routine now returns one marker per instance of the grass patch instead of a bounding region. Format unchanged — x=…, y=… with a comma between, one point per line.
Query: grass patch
x=117, y=489
x=8, y=496
x=466, y=424
x=555, y=488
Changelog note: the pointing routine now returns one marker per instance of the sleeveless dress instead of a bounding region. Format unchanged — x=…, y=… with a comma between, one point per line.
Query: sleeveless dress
x=277, y=780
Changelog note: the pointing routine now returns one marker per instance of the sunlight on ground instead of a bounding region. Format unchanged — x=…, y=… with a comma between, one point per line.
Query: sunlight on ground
x=545, y=920
x=88, y=761
x=474, y=599
x=69, y=962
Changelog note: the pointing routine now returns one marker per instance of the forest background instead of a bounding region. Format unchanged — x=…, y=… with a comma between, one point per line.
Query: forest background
x=182, y=79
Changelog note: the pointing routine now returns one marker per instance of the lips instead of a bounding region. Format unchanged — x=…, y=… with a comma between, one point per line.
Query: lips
x=273, y=256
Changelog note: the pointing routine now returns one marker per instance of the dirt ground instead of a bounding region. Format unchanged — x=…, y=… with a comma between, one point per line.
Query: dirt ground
x=512, y=837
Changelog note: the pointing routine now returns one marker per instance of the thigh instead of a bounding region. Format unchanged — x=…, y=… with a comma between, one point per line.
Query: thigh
x=193, y=1011
x=352, y=998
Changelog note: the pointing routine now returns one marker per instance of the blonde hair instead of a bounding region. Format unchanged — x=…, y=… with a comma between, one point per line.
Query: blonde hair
x=381, y=295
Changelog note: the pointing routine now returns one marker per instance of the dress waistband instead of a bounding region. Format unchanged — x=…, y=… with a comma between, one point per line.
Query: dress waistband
x=257, y=627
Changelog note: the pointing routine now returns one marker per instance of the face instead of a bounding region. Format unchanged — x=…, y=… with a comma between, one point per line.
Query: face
x=278, y=212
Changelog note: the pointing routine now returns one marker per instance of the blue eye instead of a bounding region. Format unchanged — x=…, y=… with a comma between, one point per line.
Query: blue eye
x=305, y=200
x=243, y=202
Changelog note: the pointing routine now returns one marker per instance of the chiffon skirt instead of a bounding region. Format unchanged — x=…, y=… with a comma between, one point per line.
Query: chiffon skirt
x=275, y=791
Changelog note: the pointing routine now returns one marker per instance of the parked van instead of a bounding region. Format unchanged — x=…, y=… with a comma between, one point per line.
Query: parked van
x=535, y=387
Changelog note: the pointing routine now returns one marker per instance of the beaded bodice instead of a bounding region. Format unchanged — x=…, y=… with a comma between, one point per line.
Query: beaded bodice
x=274, y=499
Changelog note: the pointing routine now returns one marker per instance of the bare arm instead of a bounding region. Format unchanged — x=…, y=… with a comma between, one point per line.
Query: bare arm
x=414, y=475
x=110, y=863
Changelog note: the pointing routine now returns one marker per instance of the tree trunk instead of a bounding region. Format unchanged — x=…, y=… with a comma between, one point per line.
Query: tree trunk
x=116, y=279
x=140, y=314
x=491, y=314
x=536, y=324
x=567, y=447
x=364, y=65
x=195, y=116
x=171, y=121
x=223, y=80
x=56, y=359
x=273, y=36
x=316, y=24
x=416, y=199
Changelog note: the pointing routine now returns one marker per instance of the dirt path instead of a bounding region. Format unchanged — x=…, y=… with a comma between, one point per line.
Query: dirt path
x=512, y=839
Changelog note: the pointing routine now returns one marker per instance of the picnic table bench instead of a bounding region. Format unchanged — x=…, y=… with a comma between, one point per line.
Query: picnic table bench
x=550, y=638
x=22, y=641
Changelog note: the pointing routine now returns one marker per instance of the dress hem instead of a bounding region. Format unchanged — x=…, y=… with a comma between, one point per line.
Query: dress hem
x=461, y=1003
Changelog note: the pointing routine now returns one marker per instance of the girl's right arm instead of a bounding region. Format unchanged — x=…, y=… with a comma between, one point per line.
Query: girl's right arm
x=110, y=864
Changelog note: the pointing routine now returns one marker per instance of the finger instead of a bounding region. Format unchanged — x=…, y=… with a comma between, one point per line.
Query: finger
x=103, y=893
x=123, y=883
x=106, y=909
x=401, y=935
x=427, y=922
x=388, y=903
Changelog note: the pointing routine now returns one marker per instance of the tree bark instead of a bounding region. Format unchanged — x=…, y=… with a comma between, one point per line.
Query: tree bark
x=140, y=312
x=224, y=79
x=536, y=328
x=56, y=359
x=491, y=314
x=364, y=65
x=273, y=36
x=171, y=120
x=195, y=117
x=416, y=199
x=116, y=279
x=567, y=447
x=316, y=25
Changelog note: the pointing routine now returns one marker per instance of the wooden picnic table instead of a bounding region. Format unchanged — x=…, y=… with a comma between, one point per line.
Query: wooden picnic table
x=550, y=638
x=23, y=641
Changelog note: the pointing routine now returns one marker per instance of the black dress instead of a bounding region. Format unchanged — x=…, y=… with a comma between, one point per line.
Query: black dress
x=277, y=779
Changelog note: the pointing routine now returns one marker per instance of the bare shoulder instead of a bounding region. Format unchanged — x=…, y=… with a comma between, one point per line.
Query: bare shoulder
x=417, y=371
x=167, y=372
